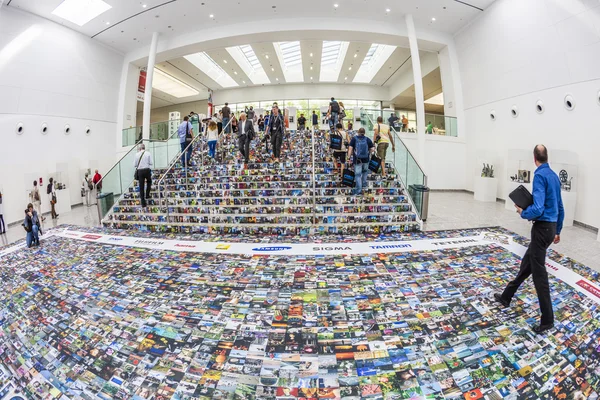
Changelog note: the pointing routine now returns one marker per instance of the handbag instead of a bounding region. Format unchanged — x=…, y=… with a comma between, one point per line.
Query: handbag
x=188, y=134
x=374, y=164
x=53, y=198
x=348, y=177
x=135, y=174
x=335, y=141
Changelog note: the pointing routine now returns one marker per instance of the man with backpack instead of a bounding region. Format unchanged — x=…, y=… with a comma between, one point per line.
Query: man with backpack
x=359, y=153
x=333, y=113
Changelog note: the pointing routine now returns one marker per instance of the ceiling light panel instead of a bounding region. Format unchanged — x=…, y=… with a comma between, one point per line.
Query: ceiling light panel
x=290, y=57
x=377, y=55
x=437, y=100
x=332, y=60
x=80, y=12
x=204, y=63
x=171, y=85
x=245, y=57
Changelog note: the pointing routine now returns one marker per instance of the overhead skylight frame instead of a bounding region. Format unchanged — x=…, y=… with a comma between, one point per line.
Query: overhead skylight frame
x=376, y=57
x=247, y=60
x=172, y=86
x=80, y=12
x=214, y=71
x=331, y=52
x=332, y=60
x=290, y=58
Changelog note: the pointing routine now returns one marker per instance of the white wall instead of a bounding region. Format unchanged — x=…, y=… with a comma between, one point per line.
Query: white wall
x=301, y=91
x=517, y=52
x=52, y=74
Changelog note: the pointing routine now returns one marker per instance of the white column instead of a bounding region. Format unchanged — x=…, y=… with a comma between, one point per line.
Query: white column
x=149, y=77
x=458, y=93
x=418, y=81
x=127, y=111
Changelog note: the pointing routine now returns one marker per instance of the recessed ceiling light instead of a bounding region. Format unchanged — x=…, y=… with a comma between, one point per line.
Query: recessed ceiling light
x=355, y=55
x=272, y=69
x=235, y=72
x=143, y=5
x=267, y=56
x=346, y=78
x=311, y=67
x=244, y=82
x=349, y=68
x=336, y=5
x=311, y=54
x=225, y=61
x=107, y=23
x=387, y=10
x=276, y=79
x=433, y=19
x=81, y=12
x=211, y=16
x=311, y=77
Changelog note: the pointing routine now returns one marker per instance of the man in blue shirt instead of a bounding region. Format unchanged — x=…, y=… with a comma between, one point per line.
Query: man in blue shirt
x=186, y=135
x=547, y=214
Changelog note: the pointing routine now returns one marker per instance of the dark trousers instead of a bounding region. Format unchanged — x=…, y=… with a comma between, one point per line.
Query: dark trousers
x=534, y=263
x=244, y=147
x=2, y=226
x=186, y=156
x=276, y=142
x=145, y=177
x=53, y=210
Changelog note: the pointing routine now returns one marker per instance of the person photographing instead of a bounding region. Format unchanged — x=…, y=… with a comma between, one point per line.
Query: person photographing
x=547, y=214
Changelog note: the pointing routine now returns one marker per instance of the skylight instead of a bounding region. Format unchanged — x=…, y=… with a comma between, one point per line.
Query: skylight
x=332, y=60
x=249, y=63
x=290, y=57
x=376, y=57
x=207, y=65
x=80, y=12
x=171, y=85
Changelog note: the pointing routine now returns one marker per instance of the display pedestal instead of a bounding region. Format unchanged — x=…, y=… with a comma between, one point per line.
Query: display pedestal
x=510, y=187
x=63, y=201
x=569, y=202
x=486, y=189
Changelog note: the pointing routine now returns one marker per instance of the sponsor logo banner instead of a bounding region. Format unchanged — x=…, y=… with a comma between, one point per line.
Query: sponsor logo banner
x=185, y=246
x=91, y=237
x=589, y=287
x=223, y=246
x=272, y=248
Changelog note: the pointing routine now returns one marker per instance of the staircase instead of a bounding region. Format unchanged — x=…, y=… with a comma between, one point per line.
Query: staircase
x=300, y=196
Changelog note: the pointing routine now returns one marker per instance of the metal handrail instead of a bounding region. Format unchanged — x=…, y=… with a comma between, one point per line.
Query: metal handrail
x=168, y=170
x=399, y=175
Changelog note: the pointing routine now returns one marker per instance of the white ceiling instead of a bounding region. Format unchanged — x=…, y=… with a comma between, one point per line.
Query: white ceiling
x=131, y=25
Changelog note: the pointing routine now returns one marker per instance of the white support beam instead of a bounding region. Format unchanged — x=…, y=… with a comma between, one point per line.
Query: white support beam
x=418, y=81
x=314, y=47
x=354, y=57
x=268, y=59
x=149, y=78
x=230, y=66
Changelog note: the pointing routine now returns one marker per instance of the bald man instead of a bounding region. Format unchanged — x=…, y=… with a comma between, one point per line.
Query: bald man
x=547, y=214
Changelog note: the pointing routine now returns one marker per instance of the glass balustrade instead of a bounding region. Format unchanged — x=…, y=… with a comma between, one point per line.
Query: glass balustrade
x=442, y=125
x=159, y=131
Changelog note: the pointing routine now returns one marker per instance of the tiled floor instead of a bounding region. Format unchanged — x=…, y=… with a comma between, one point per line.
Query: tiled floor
x=457, y=210
x=454, y=210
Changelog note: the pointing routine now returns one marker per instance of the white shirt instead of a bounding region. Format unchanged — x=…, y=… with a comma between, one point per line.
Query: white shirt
x=212, y=134
x=243, y=126
x=145, y=162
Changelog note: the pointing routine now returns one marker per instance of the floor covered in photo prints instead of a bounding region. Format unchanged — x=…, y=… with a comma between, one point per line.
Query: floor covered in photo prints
x=93, y=313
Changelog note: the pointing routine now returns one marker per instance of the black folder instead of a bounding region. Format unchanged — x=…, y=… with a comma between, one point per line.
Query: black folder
x=521, y=197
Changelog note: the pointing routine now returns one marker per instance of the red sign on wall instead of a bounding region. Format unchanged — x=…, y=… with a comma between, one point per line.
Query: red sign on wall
x=141, y=85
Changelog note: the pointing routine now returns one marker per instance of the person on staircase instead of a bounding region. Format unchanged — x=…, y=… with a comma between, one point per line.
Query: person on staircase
x=143, y=163
x=383, y=138
x=315, y=120
x=245, y=135
x=359, y=153
x=186, y=135
x=339, y=156
x=276, y=129
x=333, y=113
x=301, y=122
x=212, y=136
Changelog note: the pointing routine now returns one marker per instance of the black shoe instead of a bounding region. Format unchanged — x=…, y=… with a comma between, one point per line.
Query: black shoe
x=499, y=299
x=542, y=328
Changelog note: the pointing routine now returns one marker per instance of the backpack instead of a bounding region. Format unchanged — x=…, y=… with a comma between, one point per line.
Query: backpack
x=90, y=184
x=335, y=107
x=342, y=114
x=361, y=151
x=335, y=141
x=36, y=195
x=49, y=188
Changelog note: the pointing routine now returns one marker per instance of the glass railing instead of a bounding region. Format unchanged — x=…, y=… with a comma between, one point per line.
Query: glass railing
x=120, y=177
x=442, y=125
x=408, y=169
x=159, y=131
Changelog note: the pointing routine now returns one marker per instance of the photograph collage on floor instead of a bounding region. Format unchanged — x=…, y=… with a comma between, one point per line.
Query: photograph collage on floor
x=86, y=320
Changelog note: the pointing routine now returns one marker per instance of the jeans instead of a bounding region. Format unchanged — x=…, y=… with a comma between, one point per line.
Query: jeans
x=534, y=263
x=227, y=128
x=187, y=156
x=244, y=147
x=212, y=148
x=277, y=141
x=145, y=176
x=361, y=172
x=334, y=120
x=33, y=237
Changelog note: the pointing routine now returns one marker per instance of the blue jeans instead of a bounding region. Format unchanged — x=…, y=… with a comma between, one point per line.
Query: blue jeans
x=187, y=156
x=225, y=122
x=361, y=172
x=334, y=120
x=33, y=237
x=212, y=148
